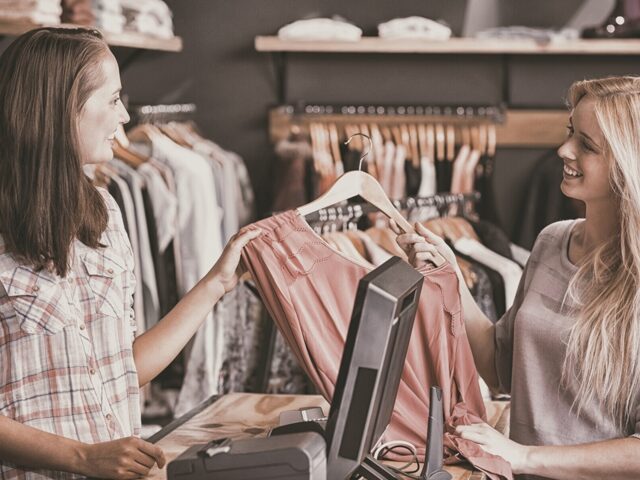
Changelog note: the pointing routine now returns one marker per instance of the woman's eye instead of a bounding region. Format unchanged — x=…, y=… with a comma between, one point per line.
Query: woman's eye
x=587, y=147
x=116, y=100
x=569, y=130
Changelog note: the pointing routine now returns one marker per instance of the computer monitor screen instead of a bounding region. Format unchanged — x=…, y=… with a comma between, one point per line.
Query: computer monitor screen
x=372, y=363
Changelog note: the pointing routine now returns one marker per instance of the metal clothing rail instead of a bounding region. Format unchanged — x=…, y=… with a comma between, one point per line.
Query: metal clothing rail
x=161, y=113
x=356, y=210
x=514, y=128
x=494, y=113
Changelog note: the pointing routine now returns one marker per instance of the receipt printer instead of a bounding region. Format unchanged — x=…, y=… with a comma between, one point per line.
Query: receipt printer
x=295, y=456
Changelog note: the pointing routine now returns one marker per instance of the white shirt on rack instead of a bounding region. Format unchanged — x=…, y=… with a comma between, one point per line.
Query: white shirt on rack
x=200, y=246
x=508, y=269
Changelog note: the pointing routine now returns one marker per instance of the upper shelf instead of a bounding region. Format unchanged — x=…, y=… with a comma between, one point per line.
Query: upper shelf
x=127, y=39
x=454, y=45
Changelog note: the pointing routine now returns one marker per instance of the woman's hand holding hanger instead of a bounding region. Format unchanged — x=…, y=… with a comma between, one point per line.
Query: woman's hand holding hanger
x=422, y=245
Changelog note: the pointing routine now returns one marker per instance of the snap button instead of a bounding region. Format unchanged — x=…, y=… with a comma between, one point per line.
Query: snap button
x=110, y=271
x=35, y=288
x=108, y=416
x=92, y=371
x=82, y=327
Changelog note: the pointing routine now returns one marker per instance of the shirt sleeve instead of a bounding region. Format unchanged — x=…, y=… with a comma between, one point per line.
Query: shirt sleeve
x=504, y=337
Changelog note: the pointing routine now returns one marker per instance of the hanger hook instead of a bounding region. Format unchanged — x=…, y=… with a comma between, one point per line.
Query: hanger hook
x=368, y=151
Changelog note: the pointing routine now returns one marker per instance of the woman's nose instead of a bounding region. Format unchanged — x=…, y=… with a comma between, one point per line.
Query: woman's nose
x=124, y=116
x=565, y=150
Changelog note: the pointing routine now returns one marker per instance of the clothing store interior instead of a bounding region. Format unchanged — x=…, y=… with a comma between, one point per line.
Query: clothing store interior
x=403, y=188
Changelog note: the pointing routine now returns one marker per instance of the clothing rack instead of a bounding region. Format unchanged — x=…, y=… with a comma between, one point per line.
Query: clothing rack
x=162, y=113
x=514, y=128
x=356, y=210
x=493, y=113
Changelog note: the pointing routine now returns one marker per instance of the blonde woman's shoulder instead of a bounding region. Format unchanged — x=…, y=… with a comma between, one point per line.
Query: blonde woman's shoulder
x=557, y=230
x=551, y=238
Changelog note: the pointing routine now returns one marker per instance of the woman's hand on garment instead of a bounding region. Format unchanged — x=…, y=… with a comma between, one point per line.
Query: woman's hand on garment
x=126, y=458
x=228, y=269
x=421, y=246
x=492, y=441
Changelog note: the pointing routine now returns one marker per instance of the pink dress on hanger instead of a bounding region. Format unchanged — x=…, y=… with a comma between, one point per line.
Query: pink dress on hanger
x=309, y=289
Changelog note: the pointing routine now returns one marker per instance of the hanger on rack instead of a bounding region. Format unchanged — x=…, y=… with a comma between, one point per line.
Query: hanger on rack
x=359, y=183
x=440, y=142
x=122, y=149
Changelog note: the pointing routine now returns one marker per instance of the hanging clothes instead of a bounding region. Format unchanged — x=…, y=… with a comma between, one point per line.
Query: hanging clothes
x=290, y=171
x=545, y=203
x=428, y=186
x=200, y=234
x=508, y=269
x=146, y=273
x=309, y=290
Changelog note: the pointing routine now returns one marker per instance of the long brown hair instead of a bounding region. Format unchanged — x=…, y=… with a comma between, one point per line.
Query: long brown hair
x=46, y=201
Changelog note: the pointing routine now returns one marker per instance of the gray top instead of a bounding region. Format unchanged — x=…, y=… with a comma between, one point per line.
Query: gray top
x=530, y=349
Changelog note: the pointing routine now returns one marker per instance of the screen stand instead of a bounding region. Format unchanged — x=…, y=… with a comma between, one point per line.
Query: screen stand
x=432, y=469
x=371, y=469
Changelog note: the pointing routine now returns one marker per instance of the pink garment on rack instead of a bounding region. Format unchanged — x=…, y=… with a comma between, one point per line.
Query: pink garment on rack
x=309, y=289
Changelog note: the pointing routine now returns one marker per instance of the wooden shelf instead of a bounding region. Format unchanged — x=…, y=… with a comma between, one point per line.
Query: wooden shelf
x=454, y=45
x=520, y=129
x=127, y=39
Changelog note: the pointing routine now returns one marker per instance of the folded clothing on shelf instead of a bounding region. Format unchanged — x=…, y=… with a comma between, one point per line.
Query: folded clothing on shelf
x=30, y=11
x=320, y=29
x=151, y=17
x=541, y=35
x=414, y=28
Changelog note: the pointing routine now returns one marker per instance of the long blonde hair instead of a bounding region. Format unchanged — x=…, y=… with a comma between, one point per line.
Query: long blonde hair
x=603, y=350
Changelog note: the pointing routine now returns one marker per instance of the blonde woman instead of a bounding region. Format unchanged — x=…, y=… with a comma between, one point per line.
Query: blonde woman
x=568, y=351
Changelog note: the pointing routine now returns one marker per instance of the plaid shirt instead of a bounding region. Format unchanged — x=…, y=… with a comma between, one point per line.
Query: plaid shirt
x=68, y=343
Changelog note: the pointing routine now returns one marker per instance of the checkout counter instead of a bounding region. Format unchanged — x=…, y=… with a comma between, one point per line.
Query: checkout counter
x=244, y=415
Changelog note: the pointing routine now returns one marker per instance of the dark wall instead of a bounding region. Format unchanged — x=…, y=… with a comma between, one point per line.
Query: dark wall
x=233, y=85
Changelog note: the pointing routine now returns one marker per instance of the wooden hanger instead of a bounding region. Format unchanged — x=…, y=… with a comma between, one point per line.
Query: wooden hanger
x=334, y=138
x=440, y=142
x=121, y=136
x=378, y=142
x=457, y=180
x=406, y=141
x=492, y=140
x=127, y=155
x=466, y=135
x=422, y=140
x=397, y=135
x=451, y=143
x=359, y=183
x=386, y=133
x=174, y=135
x=483, y=138
x=144, y=133
x=187, y=132
x=469, y=173
x=415, y=152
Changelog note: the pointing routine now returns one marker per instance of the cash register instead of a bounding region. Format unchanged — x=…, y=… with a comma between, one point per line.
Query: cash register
x=339, y=446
